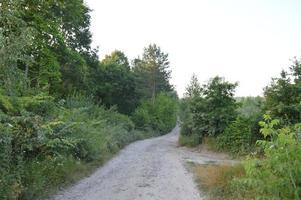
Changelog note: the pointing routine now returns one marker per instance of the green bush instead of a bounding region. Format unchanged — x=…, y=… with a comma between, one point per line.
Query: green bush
x=211, y=111
x=159, y=114
x=187, y=127
x=40, y=104
x=236, y=138
x=6, y=104
x=278, y=175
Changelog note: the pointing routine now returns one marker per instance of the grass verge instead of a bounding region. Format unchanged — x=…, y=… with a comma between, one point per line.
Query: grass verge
x=216, y=180
x=189, y=141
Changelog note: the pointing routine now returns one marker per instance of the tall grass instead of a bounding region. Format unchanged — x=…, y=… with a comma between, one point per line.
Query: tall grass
x=215, y=180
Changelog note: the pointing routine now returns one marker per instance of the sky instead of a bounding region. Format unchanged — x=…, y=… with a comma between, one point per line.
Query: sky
x=245, y=41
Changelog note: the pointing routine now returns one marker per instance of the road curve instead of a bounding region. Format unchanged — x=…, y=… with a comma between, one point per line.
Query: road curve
x=151, y=169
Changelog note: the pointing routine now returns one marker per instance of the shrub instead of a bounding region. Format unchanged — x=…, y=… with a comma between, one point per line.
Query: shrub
x=211, y=111
x=159, y=114
x=278, y=175
x=187, y=127
x=6, y=104
x=236, y=138
x=39, y=104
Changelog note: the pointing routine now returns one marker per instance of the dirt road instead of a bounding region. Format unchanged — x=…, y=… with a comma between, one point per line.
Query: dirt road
x=152, y=169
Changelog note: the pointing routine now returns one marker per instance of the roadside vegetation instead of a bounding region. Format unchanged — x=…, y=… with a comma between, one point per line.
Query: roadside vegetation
x=63, y=112
x=263, y=132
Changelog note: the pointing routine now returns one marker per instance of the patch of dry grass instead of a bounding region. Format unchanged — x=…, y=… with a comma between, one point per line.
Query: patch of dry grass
x=210, y=143
x=215, y=180
x=189, y=141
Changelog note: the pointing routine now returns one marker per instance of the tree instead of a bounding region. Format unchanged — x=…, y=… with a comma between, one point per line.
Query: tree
x=116, y=58
x=212, y=112
x=194, y=88
x=114, y=83
x=160, y=115
x=220, y=104
x=283, y=95
x=250, y=106
x=15, y=40
x=152, y=72
x=59, y=38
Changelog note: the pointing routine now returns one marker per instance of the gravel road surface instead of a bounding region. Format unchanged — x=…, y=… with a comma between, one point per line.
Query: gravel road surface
x=152, y=169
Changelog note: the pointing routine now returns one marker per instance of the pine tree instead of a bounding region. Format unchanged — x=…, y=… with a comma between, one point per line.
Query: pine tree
x=152, y=72
x=194, y=88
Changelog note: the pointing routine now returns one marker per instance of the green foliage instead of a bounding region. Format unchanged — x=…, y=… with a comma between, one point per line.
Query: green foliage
x=74, y=74
x=211, y=110
x=152, y=72
x=115, y=83
x=6, y=104
x=41, y=152
x=250, y=106
x=278, y=175
x=50, y=43
x=40, y=104
x=194, y=88
x=48, y=135
x=240, y=136
x=15, y=41
x=188, y=135
x=187, y=126
x=160, y=114
x=220, y=105
x=236, y=137
x=283, y=95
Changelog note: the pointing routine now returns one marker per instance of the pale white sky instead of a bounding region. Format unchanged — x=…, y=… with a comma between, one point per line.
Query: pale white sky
x=248, y=41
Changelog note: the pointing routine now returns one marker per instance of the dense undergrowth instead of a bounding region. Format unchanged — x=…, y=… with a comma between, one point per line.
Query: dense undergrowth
x=46, y=143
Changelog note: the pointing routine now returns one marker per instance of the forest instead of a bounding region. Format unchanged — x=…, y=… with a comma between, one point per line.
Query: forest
x=62, y=110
